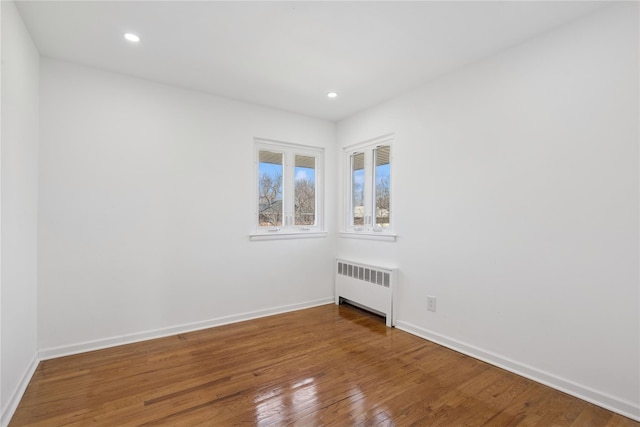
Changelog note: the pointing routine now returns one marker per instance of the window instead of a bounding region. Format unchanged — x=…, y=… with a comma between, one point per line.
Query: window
x=368, y=202
x=289, y=190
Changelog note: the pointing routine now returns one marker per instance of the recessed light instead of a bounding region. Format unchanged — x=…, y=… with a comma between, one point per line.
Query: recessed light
x=332, y=95
x=132, y=37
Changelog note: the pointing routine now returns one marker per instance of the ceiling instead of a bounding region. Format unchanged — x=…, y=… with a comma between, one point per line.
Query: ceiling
x=288, y=55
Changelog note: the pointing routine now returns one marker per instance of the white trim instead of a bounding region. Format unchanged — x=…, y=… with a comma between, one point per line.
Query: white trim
x=66, y=350
x=612, y=403
x=288, y=235
x=14, y=400
x=388, y=237
x=277, y=144
x=370, y=142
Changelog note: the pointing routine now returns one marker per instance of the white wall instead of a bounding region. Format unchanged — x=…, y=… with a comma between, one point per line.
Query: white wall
x=19, y=152
x=516, y=205
x=146, y=204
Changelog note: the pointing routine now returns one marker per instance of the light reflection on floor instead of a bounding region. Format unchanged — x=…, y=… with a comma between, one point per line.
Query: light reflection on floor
x=276, y=407
x=278, y=404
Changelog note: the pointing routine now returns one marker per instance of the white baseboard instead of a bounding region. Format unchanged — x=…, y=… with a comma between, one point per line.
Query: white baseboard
x=66, y=350
x=625, y=408
x=14, y=400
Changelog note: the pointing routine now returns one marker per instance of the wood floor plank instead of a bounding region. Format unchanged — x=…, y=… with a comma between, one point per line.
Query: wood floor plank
x=325, y=366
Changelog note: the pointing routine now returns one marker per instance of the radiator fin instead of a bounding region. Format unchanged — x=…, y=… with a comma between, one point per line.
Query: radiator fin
x=377, y=277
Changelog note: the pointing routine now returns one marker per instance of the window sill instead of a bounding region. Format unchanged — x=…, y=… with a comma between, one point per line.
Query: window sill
x=283, y=235
x=367, y=235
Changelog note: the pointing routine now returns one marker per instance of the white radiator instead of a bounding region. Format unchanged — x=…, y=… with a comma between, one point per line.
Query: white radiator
x=368, y=286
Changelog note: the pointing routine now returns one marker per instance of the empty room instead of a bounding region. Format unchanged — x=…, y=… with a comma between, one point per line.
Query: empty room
x=320, y=213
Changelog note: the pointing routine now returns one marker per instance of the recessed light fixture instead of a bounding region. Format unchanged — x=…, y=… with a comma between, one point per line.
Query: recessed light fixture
x=132, y=37
x=332, y=95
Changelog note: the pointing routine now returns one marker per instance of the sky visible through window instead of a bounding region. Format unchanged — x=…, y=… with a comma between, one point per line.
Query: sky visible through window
x=305, y=174
x=382, y=172
x=274, y=171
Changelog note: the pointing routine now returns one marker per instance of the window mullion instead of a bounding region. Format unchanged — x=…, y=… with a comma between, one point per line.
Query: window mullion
x=368, y=187
x=288, y=191
x=350, y=204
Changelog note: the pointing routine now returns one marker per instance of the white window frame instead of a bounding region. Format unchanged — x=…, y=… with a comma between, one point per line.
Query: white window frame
x=289, y=230
x=369, y=230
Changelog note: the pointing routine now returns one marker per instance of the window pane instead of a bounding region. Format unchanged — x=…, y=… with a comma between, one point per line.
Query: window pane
x=357, y=188
x=305, y=190
x=270, y=189
x=383, y=185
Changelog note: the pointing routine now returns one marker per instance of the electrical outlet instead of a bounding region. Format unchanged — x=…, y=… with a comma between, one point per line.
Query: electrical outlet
x=431, y=303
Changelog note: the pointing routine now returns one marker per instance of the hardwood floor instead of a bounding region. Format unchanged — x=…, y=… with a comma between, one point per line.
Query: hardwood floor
x=325, y=366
